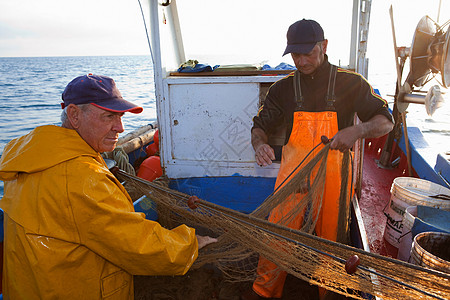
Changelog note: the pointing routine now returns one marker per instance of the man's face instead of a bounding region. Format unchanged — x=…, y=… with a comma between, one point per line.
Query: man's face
x=100, y=128
x=308, y=63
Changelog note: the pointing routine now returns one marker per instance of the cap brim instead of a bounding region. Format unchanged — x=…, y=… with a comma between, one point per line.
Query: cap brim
x=119, y=105
x=299, y=48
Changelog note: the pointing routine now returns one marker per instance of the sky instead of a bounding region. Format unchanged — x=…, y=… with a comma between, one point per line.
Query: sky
x=71, y=28
x=115, y=27
x=225, y=28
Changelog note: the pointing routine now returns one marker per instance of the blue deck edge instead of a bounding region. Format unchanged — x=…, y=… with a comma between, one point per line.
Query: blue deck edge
x=237, y=192
x=440, y=173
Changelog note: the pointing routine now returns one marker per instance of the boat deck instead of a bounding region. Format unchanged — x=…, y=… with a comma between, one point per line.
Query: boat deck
x=376, y=193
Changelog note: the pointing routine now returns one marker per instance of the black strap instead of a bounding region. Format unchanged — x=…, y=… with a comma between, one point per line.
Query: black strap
x=298, y=90
x=331, y=97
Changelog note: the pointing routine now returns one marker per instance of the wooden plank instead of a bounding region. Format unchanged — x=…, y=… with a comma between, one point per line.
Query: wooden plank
x=233, y=73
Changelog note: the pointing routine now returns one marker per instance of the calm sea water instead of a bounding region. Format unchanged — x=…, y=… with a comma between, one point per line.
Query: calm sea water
x=30, y=94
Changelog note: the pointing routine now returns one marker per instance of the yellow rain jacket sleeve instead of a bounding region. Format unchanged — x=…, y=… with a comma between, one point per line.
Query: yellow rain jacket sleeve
x=71, y=231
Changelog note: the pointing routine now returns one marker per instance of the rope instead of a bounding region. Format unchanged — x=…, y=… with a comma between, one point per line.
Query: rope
x=146, y=32
x=318, y=261
x=122, y=160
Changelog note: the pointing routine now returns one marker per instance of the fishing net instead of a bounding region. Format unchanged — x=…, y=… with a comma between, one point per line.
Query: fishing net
x=243, y=238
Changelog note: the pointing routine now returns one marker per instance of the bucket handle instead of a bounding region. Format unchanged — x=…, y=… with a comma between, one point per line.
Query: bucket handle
x=441, y=196
x=400, y=237
x=384, y=209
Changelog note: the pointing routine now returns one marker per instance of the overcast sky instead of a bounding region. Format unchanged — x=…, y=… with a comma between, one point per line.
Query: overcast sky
x=61, y=27
x=115, y=27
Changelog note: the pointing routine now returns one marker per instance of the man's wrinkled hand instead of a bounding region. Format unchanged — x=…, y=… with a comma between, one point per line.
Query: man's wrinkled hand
x=345, y=138
x=264, y=155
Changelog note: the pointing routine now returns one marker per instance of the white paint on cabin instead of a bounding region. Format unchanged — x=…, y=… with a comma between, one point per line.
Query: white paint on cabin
x=207, y=123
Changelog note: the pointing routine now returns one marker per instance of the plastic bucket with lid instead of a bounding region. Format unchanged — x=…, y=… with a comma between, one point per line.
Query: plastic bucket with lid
x=432, y=250
x=418, y=219
x=409, y=191
x=406, y=238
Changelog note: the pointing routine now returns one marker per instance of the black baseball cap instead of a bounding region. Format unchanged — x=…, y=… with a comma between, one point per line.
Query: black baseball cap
x=302, y=36
x=98, y=90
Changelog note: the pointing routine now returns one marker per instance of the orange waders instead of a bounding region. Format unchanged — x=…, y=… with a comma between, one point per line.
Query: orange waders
x=307, y=129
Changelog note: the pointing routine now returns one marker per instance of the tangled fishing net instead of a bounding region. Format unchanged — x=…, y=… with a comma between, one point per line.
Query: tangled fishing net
x=242, y=238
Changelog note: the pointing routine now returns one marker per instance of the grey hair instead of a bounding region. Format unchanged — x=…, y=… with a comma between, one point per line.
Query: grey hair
x=65, y=119
x=64, y=116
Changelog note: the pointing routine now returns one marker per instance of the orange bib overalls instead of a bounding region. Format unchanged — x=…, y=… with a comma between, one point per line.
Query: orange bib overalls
x=307, y=129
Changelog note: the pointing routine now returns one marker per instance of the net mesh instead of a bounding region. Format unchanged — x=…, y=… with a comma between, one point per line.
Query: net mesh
x=243, y=238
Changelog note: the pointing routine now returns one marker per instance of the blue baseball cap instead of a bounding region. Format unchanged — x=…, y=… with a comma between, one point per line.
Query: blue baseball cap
x=98, y=90
x=302, y=36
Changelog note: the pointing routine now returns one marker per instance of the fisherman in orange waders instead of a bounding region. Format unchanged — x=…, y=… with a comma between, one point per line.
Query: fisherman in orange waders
x=317, y=99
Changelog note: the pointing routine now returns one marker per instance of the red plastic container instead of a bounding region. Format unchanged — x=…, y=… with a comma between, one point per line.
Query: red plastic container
x=150, y=168
x=153, y=147
x=156, y=138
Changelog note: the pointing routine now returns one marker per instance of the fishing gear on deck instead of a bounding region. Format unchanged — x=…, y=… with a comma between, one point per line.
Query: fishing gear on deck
x=337, y=267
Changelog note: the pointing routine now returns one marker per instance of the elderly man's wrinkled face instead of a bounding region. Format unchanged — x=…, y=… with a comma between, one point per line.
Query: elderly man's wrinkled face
x=100, y=128
x=308, y=63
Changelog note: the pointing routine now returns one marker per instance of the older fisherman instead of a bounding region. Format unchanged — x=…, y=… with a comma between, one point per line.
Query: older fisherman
x=71, y=231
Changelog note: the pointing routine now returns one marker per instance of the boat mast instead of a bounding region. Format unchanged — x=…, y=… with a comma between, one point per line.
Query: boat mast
x=359, y=36
x=171, y=13
x=360, y=33
x=354, y=35
x=157, y=61
x=364, y=20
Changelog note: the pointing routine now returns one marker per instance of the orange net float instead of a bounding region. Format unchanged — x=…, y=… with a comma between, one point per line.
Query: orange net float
x=156, y=138
x=153, y=148
x=150, y=168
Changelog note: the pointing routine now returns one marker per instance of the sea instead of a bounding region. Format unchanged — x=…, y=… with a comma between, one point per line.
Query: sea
x=31, y=88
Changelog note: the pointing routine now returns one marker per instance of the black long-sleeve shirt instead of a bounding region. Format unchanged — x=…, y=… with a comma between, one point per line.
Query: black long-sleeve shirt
x=353, y=95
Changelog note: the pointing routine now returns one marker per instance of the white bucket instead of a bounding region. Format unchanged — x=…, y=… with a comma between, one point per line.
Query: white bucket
x=409, y=191
x=406, y=239
x=431, y=250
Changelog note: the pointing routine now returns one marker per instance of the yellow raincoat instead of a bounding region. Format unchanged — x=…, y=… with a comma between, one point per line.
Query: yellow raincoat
x=71, y=231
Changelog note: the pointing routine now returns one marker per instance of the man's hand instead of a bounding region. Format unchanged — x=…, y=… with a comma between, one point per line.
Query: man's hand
x=345, y=138
x=377, y=126
x=204, y=241
x=264, y=155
